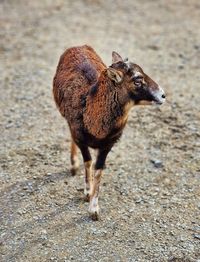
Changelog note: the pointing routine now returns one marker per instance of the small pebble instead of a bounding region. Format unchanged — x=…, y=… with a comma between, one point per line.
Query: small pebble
x=157, y=163
x=196, y=236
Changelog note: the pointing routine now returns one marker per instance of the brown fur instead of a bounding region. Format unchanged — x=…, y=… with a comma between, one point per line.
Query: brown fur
x=95, y=101
x=96, y=118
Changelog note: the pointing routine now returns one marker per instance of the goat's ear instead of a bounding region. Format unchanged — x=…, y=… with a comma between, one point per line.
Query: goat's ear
x=115, y=75
x=116, y=57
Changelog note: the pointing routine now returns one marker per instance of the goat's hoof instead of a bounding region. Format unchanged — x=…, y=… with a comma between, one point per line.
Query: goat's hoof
x=94, y=212
x=87, y=193
x=87, y=198
x=95, y=216
x=74, y=171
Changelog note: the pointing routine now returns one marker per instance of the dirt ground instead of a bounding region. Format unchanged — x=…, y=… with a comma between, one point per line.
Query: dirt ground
x=150, y=194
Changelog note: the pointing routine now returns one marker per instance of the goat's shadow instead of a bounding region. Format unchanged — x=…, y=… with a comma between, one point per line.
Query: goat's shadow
x=14, y=191
x=13, y=196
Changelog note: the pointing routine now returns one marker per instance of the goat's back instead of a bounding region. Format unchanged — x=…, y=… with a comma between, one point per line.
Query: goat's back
x=77, y=70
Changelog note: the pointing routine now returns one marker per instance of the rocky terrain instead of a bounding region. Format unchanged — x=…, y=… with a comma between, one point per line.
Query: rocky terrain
x=150, y=194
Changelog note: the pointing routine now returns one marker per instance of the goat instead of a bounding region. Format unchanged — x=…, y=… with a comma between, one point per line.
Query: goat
x=95, y=100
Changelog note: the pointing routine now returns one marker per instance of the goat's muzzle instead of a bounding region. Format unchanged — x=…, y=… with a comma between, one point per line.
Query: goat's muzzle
x=159, y=96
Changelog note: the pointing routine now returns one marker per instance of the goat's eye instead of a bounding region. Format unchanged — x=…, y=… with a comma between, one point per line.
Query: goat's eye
x=138, y=80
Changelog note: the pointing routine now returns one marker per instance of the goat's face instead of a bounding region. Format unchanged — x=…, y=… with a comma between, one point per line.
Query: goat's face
x=141, y=88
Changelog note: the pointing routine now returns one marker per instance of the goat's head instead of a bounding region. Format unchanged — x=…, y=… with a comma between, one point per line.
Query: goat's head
x=141, y=88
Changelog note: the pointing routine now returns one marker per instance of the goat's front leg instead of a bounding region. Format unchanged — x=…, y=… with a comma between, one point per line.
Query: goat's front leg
x=100, y=162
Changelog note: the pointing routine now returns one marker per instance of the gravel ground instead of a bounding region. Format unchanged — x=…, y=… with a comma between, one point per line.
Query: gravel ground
x=150, y=194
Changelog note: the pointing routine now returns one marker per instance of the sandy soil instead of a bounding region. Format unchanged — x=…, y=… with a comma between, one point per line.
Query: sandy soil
x=150, y=195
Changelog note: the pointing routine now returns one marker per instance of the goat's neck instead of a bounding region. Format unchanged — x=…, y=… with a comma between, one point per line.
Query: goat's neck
x=120, y=105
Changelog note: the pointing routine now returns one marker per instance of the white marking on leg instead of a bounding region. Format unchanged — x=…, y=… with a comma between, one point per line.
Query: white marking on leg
x=94, y=207
x=75, y=162
x=88, y=189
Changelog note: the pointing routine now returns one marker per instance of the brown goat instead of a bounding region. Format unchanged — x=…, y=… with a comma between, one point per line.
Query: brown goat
x=95, y=101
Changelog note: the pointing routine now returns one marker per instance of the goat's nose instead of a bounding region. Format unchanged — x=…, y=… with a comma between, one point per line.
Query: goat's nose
x=163, y=95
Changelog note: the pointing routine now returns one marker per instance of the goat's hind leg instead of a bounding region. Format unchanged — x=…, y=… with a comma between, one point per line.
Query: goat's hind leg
x=74, y=158
x=88, y=172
